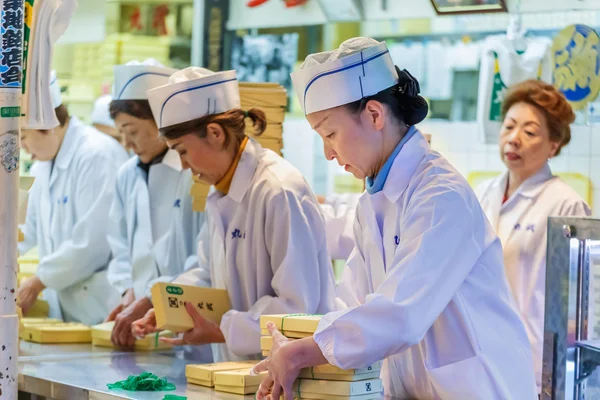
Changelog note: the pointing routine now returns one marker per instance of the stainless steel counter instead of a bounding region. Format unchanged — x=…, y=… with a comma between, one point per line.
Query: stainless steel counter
x=82, y=372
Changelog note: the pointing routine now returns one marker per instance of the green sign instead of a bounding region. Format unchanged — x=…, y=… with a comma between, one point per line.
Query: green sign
x=10, y=112
x=174, y=290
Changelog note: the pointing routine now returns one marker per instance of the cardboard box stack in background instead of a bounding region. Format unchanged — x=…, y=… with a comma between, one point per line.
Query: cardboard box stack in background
x=271, y=98
x=322, y=381
x=101, y=337
x=199, y=192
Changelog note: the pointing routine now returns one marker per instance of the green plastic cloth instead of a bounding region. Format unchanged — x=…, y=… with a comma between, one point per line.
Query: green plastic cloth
x=174, y=397
x=147, y=382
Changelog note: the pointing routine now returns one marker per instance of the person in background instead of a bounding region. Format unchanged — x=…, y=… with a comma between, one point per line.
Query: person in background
x=153, y=231
x=339, y=211
x=536, y=127
x=265, y=238
x=101, y=119
x=67, y=216
x=424, y=287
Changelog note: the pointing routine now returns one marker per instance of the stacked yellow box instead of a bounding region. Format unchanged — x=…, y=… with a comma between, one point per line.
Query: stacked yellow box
x=323, y=381
x=272, y=99
x=238, y=381
x=56, y=332
x=204, y=374
x=169, y=305
x=101, y=337
x=199, y=192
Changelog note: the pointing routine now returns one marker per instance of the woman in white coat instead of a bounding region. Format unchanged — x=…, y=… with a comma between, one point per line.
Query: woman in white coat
x=424, y=287
x=67, y=217
x=264, y=240
x=518, y=202
x=153, y=231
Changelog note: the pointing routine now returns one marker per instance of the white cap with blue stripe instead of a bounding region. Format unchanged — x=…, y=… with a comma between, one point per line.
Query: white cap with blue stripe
x=135, y=78
x=359, y=68
x=194, y=93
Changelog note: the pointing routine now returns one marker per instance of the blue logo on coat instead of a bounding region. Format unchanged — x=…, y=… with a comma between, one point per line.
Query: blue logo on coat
x=397, y=240
x=63, y=200
x=177, y=203
x=530, y=227
x=237, y=234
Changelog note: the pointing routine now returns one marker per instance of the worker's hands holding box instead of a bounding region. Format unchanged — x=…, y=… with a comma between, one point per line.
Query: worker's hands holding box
x=195, y=310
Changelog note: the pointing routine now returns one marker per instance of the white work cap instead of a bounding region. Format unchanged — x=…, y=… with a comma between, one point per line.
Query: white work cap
x=359, y=68
x=135, y=78
x=193, y=93
x=55, y=90
x=101, y=113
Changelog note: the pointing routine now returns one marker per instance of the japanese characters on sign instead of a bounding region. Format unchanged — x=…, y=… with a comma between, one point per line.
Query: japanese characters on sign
x=11, y=31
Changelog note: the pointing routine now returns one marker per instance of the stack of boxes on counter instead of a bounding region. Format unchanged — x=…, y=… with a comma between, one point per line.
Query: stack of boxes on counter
x=271, y=98
x=320, y=382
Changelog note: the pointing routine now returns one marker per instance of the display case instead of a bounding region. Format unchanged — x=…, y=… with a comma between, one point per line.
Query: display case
x=572, y=310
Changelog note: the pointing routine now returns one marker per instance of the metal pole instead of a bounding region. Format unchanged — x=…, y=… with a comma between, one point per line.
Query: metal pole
x=11, y=63
x=198, y=34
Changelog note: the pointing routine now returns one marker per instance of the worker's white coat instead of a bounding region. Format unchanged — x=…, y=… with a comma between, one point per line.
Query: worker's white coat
x=153, y=232
x=522, y=224
x=426, y=291
x=67, y=218
x=265, y=243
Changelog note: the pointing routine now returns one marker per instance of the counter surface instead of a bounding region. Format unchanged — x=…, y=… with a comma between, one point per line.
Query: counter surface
x=82, y=371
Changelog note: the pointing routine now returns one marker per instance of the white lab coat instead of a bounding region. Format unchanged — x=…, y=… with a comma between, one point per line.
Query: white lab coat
x=426, y=289
x=153, y=232
x=339, y=212
x=265, y=243
x=67, y=217
x=521, y=222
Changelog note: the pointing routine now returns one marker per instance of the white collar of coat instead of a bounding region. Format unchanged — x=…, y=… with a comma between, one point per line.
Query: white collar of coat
x=242, y=177
x=404, y=166
x=531, y=187
x=72, y=135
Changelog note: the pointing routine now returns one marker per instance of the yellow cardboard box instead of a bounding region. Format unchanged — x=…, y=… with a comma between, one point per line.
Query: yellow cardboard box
x=171, y=314
x=292, y=322
x=205, y=372
x=337, y=388
x=57, y=333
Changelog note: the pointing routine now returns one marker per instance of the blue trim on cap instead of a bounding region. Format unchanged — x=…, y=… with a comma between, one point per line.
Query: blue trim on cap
x=189, y=90
x=334, y=71
x=137, y=76
x=54, y=80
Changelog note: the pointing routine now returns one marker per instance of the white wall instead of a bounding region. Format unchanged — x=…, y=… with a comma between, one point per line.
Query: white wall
x=459, y=142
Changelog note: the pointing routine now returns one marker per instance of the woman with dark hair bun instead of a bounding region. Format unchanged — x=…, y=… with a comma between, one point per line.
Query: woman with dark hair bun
x=536, y=127
x=424, y=288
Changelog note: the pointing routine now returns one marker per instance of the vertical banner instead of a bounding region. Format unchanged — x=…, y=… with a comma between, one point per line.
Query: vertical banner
x=216, y=13
x=11, y=65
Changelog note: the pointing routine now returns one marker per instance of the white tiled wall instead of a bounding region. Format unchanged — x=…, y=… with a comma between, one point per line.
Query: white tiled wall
x=460, y=144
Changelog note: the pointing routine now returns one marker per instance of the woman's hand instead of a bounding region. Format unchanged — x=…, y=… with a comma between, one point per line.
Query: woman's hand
x=283, y=370
x=203, y=332
x=126, y=300
x=28, y=293
x=122, y=336
x=144, y=326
